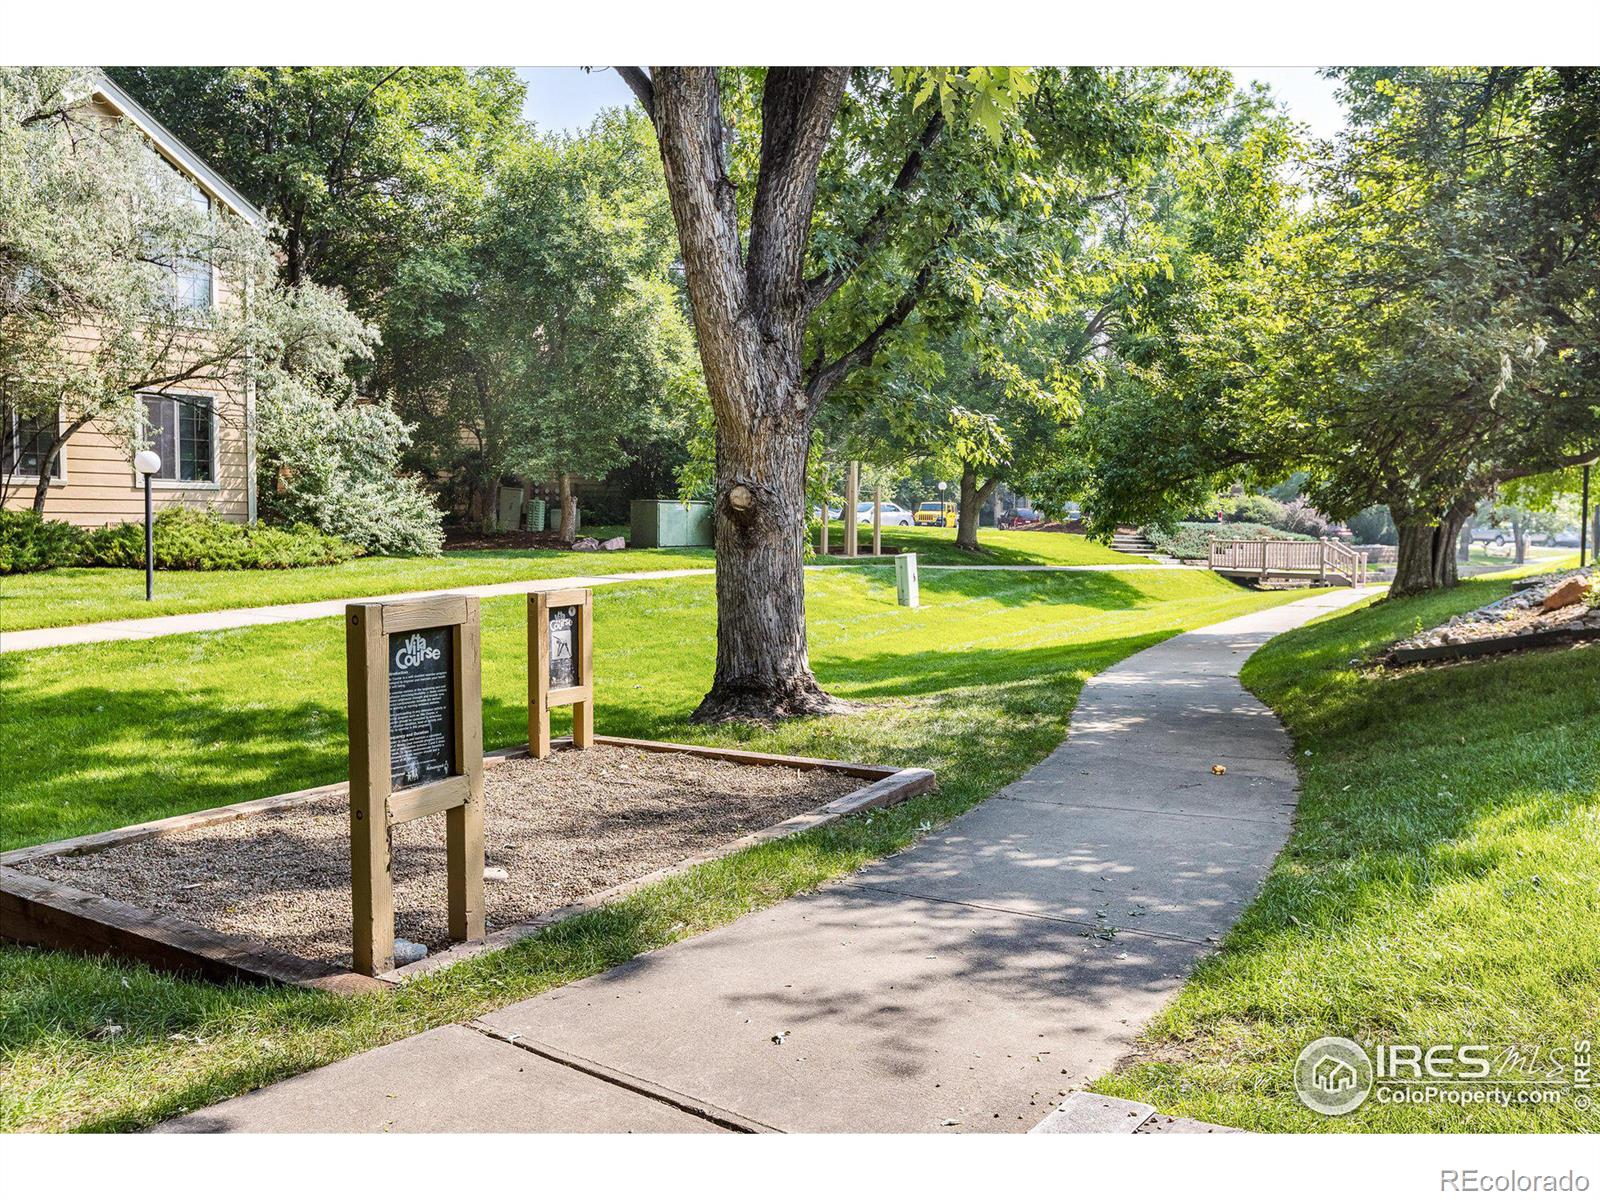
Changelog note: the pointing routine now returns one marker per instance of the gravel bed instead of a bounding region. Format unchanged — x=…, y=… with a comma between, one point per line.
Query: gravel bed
x=1521, y=612
x=561, y=828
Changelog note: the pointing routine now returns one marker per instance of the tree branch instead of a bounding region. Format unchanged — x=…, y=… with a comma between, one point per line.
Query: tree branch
x=876, y=231
x=643, y=87
x=798, y=106
x=827, y=378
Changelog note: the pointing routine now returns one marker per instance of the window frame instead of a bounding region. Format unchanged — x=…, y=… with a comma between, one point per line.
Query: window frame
x=214, y=484
x=12, y=436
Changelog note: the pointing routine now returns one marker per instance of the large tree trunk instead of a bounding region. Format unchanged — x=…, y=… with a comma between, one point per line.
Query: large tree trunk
x=1414, y=570
x=1519, y=538
x=750, y=315
x=1427, y=552
x=973, y=497
x=569, y=509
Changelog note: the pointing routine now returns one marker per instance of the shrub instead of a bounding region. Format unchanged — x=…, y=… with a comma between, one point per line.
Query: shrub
x=30, y=543
x=1373, y=527
x=335, y=465
x=186, y=539
x=1300, y=517
x=1191, y=539
x=1253, y=510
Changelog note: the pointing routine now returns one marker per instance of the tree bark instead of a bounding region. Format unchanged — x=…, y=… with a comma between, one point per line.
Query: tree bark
x=1414, y=563
x=749, y=319
x=569, y=509
x=1519, y=538
x=973, y=497
x=1427, y=551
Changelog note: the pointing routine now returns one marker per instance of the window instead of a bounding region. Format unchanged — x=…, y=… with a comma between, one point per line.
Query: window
x=190, y=277
x=191, y=283
x=180, y=429
x=27, y=441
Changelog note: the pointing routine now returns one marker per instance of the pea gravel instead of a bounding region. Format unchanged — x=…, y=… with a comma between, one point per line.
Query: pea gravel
x=561, y=828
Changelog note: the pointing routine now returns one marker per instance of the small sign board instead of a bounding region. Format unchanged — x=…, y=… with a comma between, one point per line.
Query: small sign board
x=563, y=646
x=421, y=707
x=416, y=749
x=560, y=665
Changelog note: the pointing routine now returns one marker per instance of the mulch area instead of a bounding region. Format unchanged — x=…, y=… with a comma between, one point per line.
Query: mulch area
x=561, y=828
x=511, y=539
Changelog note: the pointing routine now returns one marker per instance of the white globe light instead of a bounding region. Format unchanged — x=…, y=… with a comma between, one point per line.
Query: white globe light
x=147, y=462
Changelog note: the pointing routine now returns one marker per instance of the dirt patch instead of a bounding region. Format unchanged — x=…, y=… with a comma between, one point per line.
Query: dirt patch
x=561, y=828
x=511, y=539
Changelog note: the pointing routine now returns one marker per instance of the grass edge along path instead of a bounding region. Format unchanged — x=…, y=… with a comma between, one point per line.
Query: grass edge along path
x=980, y=684
x=1441, y=884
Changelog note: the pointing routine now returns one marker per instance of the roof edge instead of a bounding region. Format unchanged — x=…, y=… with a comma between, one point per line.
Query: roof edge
x=170, y=145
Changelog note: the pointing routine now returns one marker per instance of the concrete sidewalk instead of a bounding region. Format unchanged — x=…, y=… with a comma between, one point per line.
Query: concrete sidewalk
x=279, y=614
x=138, y=628
x=963, y=985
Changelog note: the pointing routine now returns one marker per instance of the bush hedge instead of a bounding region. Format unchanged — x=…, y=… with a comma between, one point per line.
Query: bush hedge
x=185, y=539
x=30, y=543
x=1190, y=539
x=202, y=541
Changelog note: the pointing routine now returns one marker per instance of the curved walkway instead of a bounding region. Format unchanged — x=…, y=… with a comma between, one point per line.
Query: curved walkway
x=136, y=628
x=965, y=984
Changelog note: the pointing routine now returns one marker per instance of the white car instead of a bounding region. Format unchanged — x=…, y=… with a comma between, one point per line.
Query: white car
x=893, y=514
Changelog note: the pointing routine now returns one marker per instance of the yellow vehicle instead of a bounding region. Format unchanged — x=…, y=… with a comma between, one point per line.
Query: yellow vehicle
x=932, y=512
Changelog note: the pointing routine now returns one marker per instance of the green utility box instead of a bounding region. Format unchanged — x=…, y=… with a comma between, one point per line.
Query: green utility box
x=668, y=523
x=536, y=514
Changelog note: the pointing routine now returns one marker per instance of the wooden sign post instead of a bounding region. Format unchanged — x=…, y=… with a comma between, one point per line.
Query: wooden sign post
x=560, y=665
x=416, y=748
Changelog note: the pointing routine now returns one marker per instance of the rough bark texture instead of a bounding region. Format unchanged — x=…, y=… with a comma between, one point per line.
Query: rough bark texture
x=1427, y=552
x=569, y=509
x=973, y=497
x=750, y=314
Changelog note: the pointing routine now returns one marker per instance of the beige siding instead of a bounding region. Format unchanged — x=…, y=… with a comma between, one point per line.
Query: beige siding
x=99, y=486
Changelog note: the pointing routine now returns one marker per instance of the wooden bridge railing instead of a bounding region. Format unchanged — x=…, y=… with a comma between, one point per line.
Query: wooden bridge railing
x=1322, y=558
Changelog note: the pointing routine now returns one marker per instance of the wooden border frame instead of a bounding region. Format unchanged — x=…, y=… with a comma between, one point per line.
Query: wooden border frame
x=541, y=696
x=37, y=911
x=368, y=627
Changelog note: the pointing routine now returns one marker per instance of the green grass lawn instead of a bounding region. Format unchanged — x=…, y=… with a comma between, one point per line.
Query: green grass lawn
x=978, y=684
x=78, y=595
x=1000, y=547
x=1442, y=884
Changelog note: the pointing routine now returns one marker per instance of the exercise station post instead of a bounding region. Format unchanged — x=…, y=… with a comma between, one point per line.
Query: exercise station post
x=560, y=665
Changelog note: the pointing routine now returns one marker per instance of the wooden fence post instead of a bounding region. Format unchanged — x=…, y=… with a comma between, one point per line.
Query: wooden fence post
x=877, y=520
x=852, y=501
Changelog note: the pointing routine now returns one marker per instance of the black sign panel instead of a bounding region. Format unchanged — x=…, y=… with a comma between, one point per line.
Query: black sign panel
x=564, y=647
x=422, y=725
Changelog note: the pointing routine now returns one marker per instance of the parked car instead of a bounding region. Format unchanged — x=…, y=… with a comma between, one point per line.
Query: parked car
x=833, y=513
x=893, y=514
x=931, y=512
x=1021, y=516
x=1490, y=536
x=1568, y=538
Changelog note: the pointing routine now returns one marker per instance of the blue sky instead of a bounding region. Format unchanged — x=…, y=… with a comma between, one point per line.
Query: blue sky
x=567, y=98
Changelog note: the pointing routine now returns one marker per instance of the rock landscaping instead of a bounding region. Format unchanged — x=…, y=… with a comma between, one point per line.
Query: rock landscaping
x=1557, y=604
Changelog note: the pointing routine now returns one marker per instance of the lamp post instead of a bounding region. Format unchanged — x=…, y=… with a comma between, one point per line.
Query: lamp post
x=1583, y=522
x=147, y=463
x=942, y=486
